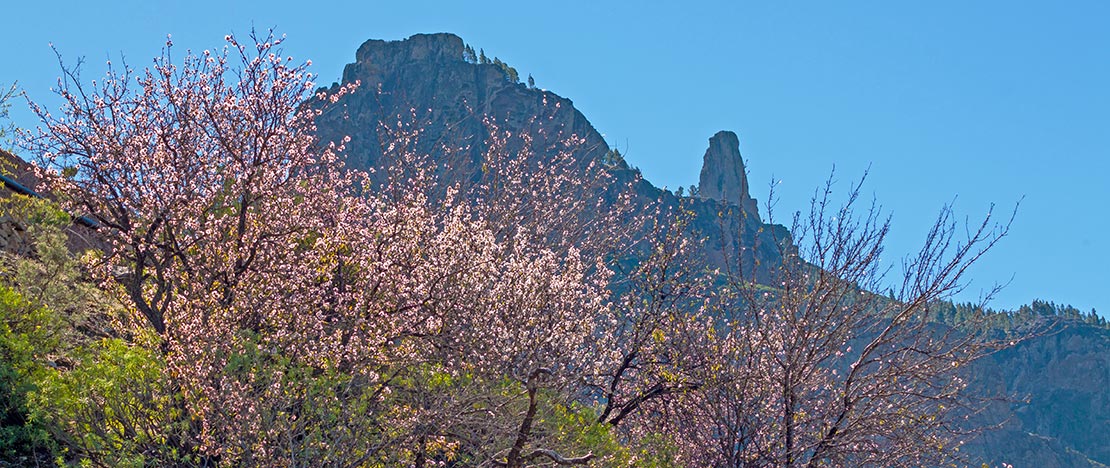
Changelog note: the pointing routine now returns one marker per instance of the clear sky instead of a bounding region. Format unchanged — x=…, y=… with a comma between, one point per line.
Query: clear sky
x=977, y=102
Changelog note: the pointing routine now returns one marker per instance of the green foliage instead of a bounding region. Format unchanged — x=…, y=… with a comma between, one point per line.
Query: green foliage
x=421, y=396
x=961, y=314
x=35, y=214
x=51, y=277
x=332, y=411
x=42, y=302
x=114, y=408
x=614, y=159
x=66, y=389
x=510, y=72
x=26, y=334
x=575, y=429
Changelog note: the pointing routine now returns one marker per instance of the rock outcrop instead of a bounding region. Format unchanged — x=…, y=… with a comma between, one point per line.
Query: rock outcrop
x=723, y=176
x=14, y=238
x=19, y=179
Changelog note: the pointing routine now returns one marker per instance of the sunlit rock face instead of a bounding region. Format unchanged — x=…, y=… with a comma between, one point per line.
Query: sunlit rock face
x=723, y=176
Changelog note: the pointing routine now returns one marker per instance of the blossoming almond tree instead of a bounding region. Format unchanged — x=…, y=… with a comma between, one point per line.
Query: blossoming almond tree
x=307, y=316
x=208, y=185
x=526, y=295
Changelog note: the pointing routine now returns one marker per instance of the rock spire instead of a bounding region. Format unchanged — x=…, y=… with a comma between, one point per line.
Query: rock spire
x=723, y=177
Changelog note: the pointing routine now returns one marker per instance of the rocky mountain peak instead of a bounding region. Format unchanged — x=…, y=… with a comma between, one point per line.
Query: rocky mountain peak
x=429, y=80
x=723, y=176
x=433, y=48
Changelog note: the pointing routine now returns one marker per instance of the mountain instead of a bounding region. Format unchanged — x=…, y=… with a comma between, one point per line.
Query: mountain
x=427, y=81
x=434, y=82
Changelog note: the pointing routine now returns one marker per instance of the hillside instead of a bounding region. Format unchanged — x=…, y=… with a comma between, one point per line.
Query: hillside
x=1060, y=382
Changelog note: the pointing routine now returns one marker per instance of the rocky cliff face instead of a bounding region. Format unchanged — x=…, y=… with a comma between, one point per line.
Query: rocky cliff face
x=13, y=236
x=723, y=176
x=1061, y=416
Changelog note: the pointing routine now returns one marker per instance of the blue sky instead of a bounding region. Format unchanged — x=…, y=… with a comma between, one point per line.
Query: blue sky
x=977, y=102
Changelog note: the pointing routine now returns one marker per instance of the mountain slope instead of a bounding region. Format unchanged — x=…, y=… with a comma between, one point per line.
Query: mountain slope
x=1062, y=413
